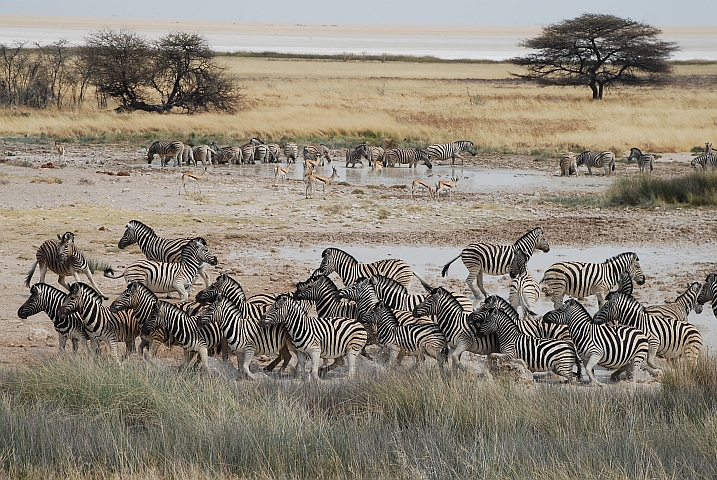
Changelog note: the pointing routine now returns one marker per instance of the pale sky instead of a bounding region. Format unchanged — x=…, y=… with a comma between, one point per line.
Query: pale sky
x=405, y=12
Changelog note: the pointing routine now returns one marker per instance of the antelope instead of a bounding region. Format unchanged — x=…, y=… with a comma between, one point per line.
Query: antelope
x=418, y=184
x=377, y=167
x=709, y=149
x=310, y=164
x=443, y=185
x=281, y=172
x=60, y=149
x=312, y=178
x=186, y=176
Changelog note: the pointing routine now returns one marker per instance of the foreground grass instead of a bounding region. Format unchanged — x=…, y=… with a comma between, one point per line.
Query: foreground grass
x=697, y=189
x=70, y=417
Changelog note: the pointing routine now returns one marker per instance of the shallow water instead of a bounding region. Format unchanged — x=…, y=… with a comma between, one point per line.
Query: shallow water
x=656, y=263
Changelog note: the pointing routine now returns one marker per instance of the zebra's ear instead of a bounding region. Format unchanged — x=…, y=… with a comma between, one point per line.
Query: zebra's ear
x=59, y=237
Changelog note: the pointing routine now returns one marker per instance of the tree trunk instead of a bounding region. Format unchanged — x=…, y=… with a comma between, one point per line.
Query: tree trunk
x=593, y=87
x=600, y=89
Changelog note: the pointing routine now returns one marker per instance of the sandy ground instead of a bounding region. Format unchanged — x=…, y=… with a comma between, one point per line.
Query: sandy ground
x=248, y=221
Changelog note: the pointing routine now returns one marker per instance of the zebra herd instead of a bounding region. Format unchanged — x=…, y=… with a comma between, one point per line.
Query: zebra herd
x=321, y=320
x=257, y=151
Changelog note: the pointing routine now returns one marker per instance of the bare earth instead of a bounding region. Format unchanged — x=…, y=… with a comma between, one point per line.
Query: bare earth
x=246, y=221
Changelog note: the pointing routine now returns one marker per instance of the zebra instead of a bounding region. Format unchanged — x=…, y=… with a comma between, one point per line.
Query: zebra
x=245, y=335
x=705, y=160
x=324, y=293
x=99, y=321
x=644, y=160
x=187, y=155
x=156, y=248
x=539, y=354
x=63, y=258
x=709, y=292
x=709, y=148
x=140, y=299
x=349, y=269
x=453, y=322
x=582, y=279
x=163, y=277
x=668, y=338
x=529, y=325
x=681, y=307
x=264, y=153
x=247, y=151
x=291, y=151
x=417, y=339
x=166, y=150
x=373, y=154
x=622, y=347
x=409, y=156
x=203, y=153
x=253, y=308
x=524, y=289
x=317, y=337
x=568, y=166
x=227, y=154
x=396, y=296
x=314, y=152
x=353, y=155
x=46, y=298
x=444, y=151
x=183, y=328
x=606, y=160
x=496, y=259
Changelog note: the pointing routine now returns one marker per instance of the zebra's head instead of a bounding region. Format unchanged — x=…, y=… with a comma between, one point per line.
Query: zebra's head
x=315, y=288
x=569, y=309
x=695, y=162
x=610, y=310
x=694, y=291
x=127, y=299
x=634, y=153
x=424, y=157
x=129, y=237
x=430, y=305
x=65, y=248
x=354, y=292
x=488, y=322
x=34, y=304
x=283, y=307
x=707, y=292
x=328, y=262
x=378, y=317
x=635, y=270
x=155, y=318
x=220, y=285
x=197, y=248
x=519, y=265
x=214, y=313
x=74, y=302
x=624, y=283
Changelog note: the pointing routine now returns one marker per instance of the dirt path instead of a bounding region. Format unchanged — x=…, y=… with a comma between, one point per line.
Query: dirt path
x=236, y=212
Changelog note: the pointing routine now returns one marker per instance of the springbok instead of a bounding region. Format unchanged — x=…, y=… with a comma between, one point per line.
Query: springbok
x=445, y=185
x=377, y=167
x=281, y=172
x=187, y=176
x=60, y=150
x=418, y=184
x=312, y=178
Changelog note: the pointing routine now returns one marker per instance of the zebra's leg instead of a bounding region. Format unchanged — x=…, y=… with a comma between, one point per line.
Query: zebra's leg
x=590, y=369
x=43, y=272
x=113, y=350
x=91, y=279
x=650, y=364
x=203, y=358
x=600, y=295
x=590, y=170
x=203, y=273
x=479, y=281
x=351, y=360
x=284, y=355
x=179, y=287
x=470, y=279
x=455, y=355
x=615, y=376
x=300, y=369
x=246, y=363
x=62, y=341
x=61, y=280
x=87, y=348
x=315, y=360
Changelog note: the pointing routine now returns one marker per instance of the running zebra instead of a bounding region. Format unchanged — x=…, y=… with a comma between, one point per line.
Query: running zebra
x=416, y=339
x=353, y=155
x=163, y=277
x=709, y=292
x=668, y=338
x=291, y=151
x=202, y=153
x=316, y=152
x=681, y=307
x=705, y=160
x=245, y=335
x=453, y=322
x=63, y=258
x=568, y=166
x=156, y=248
x=539, y=354
x=493, y=259
x=606, y=160
x=166, y=150
x=317, y=337
x=524, y=289
x=100, y=323
x=406, y=156
x=48, y=299
x=349, y=269
x=644, y=160
x=184, y=330
x=374, y=154
x=396, y=296
x=444, y=151
x=621, y=347
x=529, y=325
x=581, y=279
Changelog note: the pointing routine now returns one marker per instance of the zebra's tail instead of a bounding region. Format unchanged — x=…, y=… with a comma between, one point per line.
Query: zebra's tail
x=110, y=273
x=427, y=286
x=444, y=272
x=30, y=274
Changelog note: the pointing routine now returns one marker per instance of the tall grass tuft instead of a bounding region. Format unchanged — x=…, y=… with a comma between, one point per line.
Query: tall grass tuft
x=68, y=416
x=696, y=189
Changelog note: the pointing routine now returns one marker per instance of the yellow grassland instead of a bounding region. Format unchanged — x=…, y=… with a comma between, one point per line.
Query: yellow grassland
x=423, y=102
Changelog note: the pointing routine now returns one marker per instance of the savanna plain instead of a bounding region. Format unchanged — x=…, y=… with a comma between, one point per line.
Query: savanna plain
x=69, y=416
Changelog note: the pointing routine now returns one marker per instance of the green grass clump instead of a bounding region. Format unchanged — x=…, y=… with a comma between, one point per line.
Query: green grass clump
x=576, y=200
x=72, y=417
x=696, y=189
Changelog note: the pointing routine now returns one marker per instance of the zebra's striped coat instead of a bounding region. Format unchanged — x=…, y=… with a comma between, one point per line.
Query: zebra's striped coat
x=291, y=151
x=406, y=156
x=606, y=160
x=680, y=309
x=166, y=149
x=706, y=160
x=644, y=160
x=349, y=269
x=709, y=292
x=444, y=151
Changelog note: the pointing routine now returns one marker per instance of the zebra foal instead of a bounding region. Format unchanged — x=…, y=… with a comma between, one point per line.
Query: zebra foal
x=568, y=166
x=709, y=292
x=317, y=337
x=63, y=258
x=644, y=160
x=680, y=309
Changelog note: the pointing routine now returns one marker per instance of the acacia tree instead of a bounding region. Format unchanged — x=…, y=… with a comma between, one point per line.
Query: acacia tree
x=598, y=51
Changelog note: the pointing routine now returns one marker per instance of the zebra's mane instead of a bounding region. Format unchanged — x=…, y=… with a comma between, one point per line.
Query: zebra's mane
x=573, y=303
x=683, y=294
x=621, y=256
x=87, y=290
x=528, y=234
x=320, y=281
x=388, y=282
x=45, y=286
x=339, y=253
x=137, y=225
x=450, y=298
x=142, y=287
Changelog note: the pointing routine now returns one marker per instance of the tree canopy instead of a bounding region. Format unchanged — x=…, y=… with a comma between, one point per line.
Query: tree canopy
x=598, y=51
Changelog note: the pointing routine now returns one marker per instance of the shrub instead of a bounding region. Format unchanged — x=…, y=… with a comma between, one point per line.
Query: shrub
x=696, y=189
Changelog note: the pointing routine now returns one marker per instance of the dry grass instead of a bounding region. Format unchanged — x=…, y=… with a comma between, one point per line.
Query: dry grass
x=422, y=102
